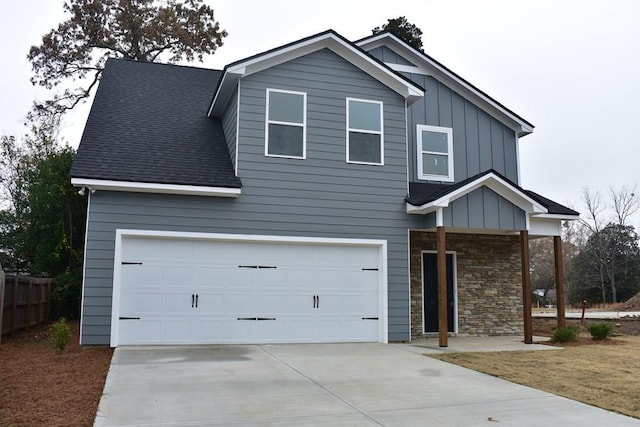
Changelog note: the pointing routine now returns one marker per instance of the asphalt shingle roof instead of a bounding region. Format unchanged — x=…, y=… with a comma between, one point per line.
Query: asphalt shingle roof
x=421, y=193
x=149, y=123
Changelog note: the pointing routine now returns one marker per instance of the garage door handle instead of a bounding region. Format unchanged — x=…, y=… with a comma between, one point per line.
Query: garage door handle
x=193, y=299
x=128, y=318
x=369, y=318
x=265, y=318
x=196, y=300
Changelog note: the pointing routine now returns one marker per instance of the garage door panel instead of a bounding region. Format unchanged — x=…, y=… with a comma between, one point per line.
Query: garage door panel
x=248, y=280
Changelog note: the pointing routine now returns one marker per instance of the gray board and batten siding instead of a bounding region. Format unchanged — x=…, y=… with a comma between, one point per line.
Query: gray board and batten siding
x=384, y=54
x=481, y=209
x=320, y=196
x=480, y=141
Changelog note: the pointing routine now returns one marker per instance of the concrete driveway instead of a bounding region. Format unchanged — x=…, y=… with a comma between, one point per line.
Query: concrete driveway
x=322, y=385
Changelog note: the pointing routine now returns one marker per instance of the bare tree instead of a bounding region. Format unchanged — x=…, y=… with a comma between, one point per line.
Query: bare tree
x=601, y=231
x=625, y=203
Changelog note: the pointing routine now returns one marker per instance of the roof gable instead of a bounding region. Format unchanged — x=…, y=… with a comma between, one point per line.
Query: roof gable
x=428, y=65
x=329, y=39
x=426, y=198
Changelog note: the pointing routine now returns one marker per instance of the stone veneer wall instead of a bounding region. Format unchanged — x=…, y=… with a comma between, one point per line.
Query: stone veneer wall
x=488, y=278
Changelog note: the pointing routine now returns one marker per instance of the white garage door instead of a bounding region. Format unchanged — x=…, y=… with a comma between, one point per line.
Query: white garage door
x=179, y=291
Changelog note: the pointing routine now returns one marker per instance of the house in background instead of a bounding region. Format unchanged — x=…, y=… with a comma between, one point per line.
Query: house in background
x=305, y=194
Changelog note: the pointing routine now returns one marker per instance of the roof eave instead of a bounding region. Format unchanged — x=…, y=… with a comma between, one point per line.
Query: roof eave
x=150, y=187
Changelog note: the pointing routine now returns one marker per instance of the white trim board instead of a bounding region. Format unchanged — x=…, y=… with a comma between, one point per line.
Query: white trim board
x=121, y=234
x=84, y=265
x=149, y=187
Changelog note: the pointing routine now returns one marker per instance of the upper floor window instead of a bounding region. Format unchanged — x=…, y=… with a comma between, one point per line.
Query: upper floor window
x=286, y=124
x=435, y=153
x=365, y=142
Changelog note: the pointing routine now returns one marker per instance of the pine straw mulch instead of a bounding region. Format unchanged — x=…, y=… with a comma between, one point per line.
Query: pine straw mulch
x=40, y=388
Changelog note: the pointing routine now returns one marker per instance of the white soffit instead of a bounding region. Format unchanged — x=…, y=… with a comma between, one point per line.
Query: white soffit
x=146, y=187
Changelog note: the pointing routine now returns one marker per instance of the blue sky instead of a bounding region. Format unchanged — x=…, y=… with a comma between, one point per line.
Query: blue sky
x=570, y=67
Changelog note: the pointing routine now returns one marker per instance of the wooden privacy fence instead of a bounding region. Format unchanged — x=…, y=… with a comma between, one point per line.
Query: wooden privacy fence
x=24, y=302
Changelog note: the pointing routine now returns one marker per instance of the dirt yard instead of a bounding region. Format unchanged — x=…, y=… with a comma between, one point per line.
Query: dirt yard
x=40, y=388
x=599, y=373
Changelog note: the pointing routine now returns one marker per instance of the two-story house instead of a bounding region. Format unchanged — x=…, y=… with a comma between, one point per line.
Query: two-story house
x=304, y=194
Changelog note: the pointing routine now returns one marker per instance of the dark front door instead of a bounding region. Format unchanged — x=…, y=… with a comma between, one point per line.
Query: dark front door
x=430, y=302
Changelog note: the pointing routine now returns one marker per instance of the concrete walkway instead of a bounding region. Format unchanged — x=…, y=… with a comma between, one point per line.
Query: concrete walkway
x=322, y=385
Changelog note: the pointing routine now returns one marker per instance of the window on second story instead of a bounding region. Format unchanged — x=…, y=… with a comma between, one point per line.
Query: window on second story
x=365, y=142
x=435, y=153
x=286, y=124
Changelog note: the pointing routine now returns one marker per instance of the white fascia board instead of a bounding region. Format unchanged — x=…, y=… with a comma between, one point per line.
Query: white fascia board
x=437, y=71
x=491, y=181
x=330, y=41
x=408, y=69
x=225, y=89
x=544, y=226
x=250, y=237
x=559, y=216
x=147, y=187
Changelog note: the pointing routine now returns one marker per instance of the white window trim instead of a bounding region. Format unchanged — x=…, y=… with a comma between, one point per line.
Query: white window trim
x=380, y=132
x=420, y=152
x=303, y=125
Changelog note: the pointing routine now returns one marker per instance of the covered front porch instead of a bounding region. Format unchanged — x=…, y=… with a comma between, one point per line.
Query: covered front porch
x=469, y=265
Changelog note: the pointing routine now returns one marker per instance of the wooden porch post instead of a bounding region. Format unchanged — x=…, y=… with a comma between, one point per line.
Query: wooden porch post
x=557, y=251
x=526, y=287
x=443, y=328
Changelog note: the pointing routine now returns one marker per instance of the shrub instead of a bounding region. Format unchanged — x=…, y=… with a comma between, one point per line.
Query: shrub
x=566, y=334
x=600, y=331
x=66, y=296
x=60, y=335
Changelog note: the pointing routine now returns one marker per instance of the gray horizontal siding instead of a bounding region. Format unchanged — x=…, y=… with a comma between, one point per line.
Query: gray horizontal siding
x=371, y=197
x=320, y=196
x=112, y=210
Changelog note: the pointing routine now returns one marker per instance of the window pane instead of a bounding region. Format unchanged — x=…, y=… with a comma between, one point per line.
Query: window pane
x=434, y=141
x=285, y=140
x=364, y=115
x=364, y=147
x=433, y=164
x=286, y=107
